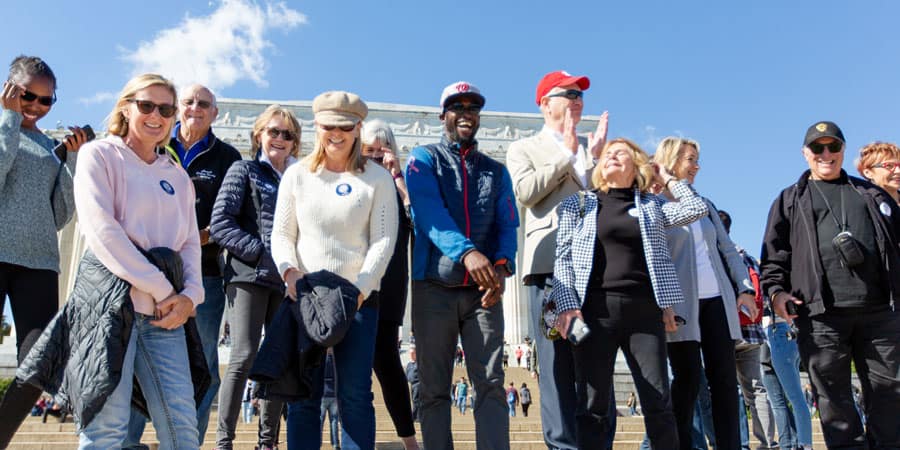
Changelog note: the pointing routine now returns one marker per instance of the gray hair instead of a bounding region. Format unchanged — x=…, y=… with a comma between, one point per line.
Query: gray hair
x=379, y=130
x=191, y=88
x=24, y=68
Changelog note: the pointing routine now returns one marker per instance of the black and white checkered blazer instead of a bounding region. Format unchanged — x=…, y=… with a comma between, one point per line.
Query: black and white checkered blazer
x=578, y=231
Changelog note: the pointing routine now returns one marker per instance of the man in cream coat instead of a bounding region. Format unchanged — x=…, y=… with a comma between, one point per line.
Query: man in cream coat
x=546, y=168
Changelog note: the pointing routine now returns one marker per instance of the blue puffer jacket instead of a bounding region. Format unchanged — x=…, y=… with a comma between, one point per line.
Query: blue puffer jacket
x=461, y=199
x=242, y=223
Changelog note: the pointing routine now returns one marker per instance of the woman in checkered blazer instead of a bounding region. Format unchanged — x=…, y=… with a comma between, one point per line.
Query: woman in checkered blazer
x=614, y=273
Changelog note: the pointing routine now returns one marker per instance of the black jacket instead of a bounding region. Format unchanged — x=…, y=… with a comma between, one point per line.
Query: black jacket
x=242, y=223
x=79, y=356
x=790, y=253
x=394, y=283
x=207, y=171
x=300, y=332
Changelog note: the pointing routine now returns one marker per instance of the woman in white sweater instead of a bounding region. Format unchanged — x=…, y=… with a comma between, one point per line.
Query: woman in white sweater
x=337, y=211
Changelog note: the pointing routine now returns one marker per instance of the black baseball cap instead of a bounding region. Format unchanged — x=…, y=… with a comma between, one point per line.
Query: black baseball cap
x=823, y=129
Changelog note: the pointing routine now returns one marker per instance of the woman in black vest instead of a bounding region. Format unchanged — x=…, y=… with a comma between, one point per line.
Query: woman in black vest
x=242, y=224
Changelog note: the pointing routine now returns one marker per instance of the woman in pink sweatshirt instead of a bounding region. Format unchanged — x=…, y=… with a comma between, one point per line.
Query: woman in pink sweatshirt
x=129, y=194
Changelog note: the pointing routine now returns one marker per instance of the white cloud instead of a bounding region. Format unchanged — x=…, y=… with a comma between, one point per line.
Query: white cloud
x=651, y=140
x=100, y=97
x=217, y=50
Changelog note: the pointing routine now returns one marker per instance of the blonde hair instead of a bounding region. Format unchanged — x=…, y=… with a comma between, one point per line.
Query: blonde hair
x=671, y=149
x=117, y=123
x=355, y=163
x=263, y=120
x=643, y=170
x=874, y=153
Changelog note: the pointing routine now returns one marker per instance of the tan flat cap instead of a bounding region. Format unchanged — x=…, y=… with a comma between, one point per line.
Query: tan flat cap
x=339, y=108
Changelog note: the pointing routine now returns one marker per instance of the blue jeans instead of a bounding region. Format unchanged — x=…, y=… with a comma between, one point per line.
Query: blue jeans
x=353, y=359
x=136, y=424
x=786, y=361
x=742, y=418
x=209, y=321
x=512, y=408
x=784, y=419
x=330, y=406
x=703, y=431
x=461, y=404
x=159, y=360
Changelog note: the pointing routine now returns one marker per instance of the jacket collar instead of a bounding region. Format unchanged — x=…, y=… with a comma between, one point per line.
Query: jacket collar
x=456, y=148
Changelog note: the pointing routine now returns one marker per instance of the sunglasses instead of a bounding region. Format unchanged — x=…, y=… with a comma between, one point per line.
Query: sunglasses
x=459, y=108
x=46, y=100
x=818, y=149
x=346, y=129
x=147, y=107
x=202, y=104
x=273, y=133
x=571, y=94
x=889, y=166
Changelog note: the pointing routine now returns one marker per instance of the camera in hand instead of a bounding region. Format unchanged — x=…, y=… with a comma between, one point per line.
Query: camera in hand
x=849, y=249
x=578, y=331
x=60, y=149
x=790, y=307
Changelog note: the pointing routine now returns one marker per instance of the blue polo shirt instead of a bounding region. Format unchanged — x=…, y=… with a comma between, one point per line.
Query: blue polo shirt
x=185, y=156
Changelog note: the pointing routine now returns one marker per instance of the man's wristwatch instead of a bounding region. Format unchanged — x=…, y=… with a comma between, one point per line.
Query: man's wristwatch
x=504, y=264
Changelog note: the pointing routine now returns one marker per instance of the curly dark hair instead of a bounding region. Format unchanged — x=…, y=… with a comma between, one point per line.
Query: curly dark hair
x=22, y=68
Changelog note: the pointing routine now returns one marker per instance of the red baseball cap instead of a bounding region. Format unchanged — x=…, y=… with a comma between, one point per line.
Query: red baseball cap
x=560, y=78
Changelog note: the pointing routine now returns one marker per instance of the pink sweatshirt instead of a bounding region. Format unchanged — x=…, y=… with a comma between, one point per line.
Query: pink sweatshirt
x=122, y=201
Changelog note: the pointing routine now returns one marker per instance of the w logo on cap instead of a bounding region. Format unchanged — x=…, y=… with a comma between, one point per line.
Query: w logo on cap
x=462, y=87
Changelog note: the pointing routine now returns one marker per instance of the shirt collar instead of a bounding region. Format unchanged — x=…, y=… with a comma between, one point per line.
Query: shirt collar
x=264, y=158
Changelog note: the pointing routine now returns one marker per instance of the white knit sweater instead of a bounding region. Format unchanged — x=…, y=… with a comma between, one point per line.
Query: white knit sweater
x=345, y=223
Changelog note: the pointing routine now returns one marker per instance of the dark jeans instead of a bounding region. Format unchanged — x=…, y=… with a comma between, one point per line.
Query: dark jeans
x=719, y=363
x=353, y=385
x=441, y=316
x=392, y=378
x=634, y=324
x=34, y=299
x=250, y=307
x=828, y=342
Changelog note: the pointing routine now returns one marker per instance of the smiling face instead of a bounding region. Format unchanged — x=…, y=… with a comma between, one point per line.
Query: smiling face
x=277, y=148
x=617, y=165
x=33, y=111
x=886, y=175
x=337, y=143
x=197, y=110
x=827, y=165
x=374, y=151
x=688, y=163
x=554, y=108
x=462, y=126
x=149, y=129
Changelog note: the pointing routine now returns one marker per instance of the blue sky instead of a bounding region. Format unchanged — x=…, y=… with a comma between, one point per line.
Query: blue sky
x=745, y=79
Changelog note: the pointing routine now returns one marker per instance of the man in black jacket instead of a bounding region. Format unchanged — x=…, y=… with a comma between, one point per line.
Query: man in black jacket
x=829, y=263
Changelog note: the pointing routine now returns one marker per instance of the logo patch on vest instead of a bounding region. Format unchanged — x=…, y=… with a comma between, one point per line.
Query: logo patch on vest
x=343, y=189
x=167, y=187
x=885, y=209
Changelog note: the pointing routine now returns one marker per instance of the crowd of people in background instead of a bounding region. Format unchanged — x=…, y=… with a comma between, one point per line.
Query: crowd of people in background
x=309, y=257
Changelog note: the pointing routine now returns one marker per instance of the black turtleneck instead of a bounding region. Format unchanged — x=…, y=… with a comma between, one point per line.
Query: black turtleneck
x=619, y=262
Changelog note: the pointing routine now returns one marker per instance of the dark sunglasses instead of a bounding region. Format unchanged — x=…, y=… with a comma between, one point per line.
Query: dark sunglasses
x=347, y=128
x=46, y=100
x=571, y=94
x=889, y=166
x=459, y=108
x=818, y=149
x=273, y=133
x=202, y=104
x=147, y=107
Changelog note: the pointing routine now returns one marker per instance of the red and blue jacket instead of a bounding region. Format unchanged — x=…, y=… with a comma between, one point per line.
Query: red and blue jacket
x=461, y=200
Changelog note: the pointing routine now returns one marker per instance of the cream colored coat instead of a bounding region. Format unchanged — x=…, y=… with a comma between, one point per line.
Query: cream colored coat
x=542, y=178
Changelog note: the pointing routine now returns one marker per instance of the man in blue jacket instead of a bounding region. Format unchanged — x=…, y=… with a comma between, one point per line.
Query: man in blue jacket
x=465, y=226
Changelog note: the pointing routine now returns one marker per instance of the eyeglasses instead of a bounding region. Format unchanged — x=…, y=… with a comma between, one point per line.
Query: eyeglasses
x=147, y=107
x=46, y=100
x=202, y=104
x=818, y=149
x=459, y=108
x=571, y=94
x=273, y=133
x=346, y=129
x=887, y=165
